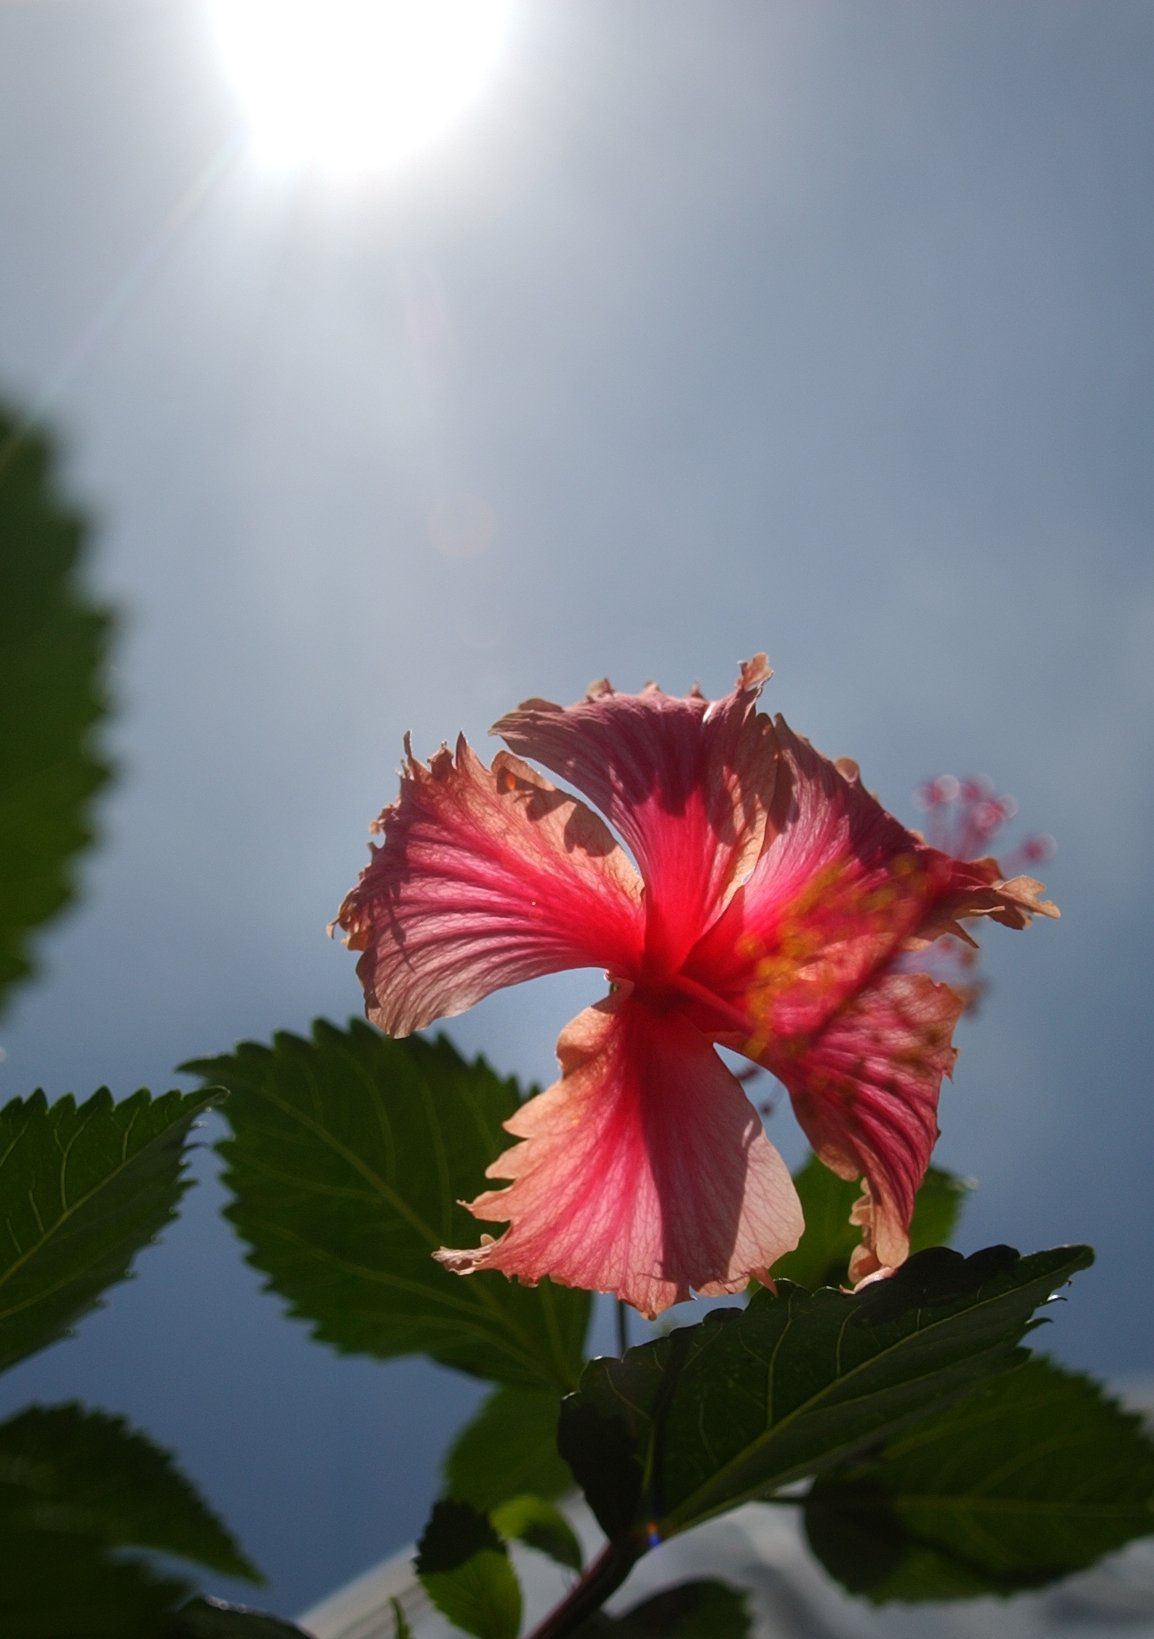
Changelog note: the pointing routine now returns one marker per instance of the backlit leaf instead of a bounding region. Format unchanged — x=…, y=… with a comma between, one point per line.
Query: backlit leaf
x=541, y=1525
x=510, y=1447
x=82, y=1189
x=349, y=1157
x=465, y=1570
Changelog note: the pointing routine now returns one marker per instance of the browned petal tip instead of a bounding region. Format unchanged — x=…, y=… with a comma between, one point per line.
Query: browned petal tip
x=534, y=704
x=754, y=672
x=458, y=1262
x=1027, y=891
x=345, y=920
x=378, y=826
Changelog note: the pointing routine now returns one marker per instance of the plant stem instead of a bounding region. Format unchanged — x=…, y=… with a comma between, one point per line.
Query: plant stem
x=622, y=1327
x=600, y=1579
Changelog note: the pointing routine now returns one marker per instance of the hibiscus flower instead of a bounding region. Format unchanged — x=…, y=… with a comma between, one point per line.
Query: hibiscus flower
x=770, y=906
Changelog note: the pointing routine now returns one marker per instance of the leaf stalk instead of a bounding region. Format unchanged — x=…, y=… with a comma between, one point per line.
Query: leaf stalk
x=602, y=1577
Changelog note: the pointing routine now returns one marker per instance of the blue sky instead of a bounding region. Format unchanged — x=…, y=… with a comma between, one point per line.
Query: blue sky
x=814, y=328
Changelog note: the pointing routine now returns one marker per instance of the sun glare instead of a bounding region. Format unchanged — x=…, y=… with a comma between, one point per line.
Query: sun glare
x=348, y=86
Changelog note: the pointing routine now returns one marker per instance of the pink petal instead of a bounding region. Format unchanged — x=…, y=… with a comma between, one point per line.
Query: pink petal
x=686, y=782
x=809, y=969
x=840, y=891
x=866, y=1095
x=486, y=876
x=644, y=1171
x=838, y=887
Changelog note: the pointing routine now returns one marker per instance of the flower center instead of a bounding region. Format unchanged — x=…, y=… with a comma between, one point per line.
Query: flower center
x=664, y=992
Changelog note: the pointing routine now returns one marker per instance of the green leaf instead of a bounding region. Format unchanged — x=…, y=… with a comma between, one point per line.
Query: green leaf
x=214, y=1619
x=66, y=1469
x=53, y=641
x=82, y=1189
x=822, y=1258
x=401, y=1628
x=510, y=1447
x=691, y=1610
x=541, y=1525
x=749, y=1400
x=464, y=1568
x=58, y=1586
x=1033, y=1475
x=938, y=1208
x=350, y=1153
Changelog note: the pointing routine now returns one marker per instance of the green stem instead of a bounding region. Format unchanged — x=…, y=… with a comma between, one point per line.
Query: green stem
x=600, y=1579
x=622, y=1327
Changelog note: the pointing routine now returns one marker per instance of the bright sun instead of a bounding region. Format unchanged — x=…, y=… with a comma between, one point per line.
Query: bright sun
x=355, y=85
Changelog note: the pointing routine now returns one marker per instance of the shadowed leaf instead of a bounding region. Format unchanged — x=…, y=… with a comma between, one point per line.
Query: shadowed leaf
x=349, y=1155
x=82, y=1189
x=464, y=1568
x=66, y=1469
x=749, y=1400
x=1033, y=1475
x=509, y=1448
x=214, y=1619
x=52, y=646
x=58, y=1586
x=77, y=1488
x=692, y=1610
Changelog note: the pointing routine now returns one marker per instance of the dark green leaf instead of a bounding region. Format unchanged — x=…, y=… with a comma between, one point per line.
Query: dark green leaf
x=510, y=1447
x=1033, y=1475
x=349, y=1155
x=822, y=1258
x=81, y=1191
x=76, y=1488
x=692, y=1610
x=608, y=1449
x=65, y=1469
x=52, y=646
x=464, y=1568
x=749, y=1400
x=213, y=1619
x=541, y=1525
x=57, y=1586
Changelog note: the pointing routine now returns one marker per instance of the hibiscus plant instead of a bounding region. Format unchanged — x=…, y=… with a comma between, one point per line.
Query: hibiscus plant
x=742, y=894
